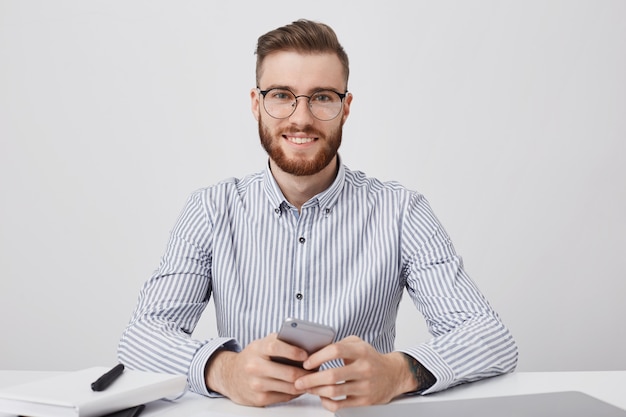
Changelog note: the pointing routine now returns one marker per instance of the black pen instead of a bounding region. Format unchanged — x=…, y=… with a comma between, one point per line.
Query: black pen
x=107, y=379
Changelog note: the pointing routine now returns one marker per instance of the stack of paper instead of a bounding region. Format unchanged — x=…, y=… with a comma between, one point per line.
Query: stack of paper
x=70, y=394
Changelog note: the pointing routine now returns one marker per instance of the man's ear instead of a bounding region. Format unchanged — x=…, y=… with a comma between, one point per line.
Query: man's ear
x=346, y=107
x=255, y=103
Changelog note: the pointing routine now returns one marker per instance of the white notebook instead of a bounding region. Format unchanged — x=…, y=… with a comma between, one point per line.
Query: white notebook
x=70, y=394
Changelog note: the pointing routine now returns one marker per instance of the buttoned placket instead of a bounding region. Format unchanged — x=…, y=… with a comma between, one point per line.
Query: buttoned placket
x=302, y=241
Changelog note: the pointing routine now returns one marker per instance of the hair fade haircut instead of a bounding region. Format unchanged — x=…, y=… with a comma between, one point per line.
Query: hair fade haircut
x=302, y=36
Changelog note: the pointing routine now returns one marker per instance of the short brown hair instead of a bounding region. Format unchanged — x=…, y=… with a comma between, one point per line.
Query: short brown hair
x=303, y=36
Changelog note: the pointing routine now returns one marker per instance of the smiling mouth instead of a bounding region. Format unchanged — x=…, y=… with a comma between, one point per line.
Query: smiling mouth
x=299, y=140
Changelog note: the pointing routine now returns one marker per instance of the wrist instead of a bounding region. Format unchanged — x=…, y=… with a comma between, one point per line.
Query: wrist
x=405, y=382
x=215, y=371
x=423, y=379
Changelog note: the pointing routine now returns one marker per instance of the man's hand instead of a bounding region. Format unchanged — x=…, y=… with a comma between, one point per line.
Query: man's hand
x=367, y=378
x=249, y=377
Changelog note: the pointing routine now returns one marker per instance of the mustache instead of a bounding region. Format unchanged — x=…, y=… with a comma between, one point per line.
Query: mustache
x=308, y=129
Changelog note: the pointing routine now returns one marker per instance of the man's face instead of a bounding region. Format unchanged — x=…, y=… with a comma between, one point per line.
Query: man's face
x=300, y=144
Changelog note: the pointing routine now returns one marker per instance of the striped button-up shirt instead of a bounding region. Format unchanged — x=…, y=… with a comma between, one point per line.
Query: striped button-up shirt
x=344, y=260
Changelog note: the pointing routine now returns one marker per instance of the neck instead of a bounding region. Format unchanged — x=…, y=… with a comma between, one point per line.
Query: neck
x=300, y=189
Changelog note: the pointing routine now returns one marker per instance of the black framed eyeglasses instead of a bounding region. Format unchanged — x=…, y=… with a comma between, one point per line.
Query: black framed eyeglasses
x=281, y=103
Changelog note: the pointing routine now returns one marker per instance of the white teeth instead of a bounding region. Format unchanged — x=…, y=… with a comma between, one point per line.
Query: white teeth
x=300, y=140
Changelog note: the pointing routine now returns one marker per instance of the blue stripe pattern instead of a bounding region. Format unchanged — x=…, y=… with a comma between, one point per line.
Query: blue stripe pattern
x=344, y=261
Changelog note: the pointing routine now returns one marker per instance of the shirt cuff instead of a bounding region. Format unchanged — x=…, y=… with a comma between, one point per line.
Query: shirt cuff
x=196, y=380
x=431, y=360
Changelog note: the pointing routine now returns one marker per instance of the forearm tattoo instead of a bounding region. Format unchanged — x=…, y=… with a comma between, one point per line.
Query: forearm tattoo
x=424, y=378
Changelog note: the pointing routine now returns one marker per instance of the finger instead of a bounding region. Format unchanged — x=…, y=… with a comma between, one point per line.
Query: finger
x=328, y=377
x=278, y=349
x=277, y=386
x=326, y=354
x=274, y=377
x=346, y=349
x=287, y=373
x=338, y=391
x=261, y=368
x=261, y=399
x=335, y=404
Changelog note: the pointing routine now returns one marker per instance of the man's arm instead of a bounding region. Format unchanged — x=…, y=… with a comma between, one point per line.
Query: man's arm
x=469, y=342
x=171, y=303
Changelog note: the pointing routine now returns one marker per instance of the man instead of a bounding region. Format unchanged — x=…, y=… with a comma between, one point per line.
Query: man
x=309, y=238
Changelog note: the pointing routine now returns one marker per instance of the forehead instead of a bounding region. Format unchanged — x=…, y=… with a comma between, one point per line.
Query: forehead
x=302, y=72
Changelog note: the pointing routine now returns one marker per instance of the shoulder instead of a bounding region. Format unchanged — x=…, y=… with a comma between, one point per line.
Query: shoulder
x=230, y=186
x=225, y=194
x=358, y=182
x=389, y=198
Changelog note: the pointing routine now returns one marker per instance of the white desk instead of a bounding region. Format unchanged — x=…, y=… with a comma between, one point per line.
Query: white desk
x=609, y=386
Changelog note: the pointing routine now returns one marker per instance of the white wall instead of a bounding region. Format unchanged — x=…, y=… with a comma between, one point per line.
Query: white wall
x=510, y=116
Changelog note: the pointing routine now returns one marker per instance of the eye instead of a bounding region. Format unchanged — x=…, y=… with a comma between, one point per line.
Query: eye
x=325, y=97
x=280, y=95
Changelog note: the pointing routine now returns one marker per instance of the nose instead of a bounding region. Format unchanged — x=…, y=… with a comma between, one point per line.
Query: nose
x=301, y=112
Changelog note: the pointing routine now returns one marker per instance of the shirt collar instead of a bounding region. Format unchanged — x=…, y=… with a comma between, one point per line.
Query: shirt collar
x=325, y=200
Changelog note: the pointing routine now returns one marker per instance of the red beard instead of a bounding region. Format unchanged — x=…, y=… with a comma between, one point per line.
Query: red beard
x=300, y=166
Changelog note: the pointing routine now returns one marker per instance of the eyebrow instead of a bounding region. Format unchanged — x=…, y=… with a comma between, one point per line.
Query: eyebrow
x=293, y=90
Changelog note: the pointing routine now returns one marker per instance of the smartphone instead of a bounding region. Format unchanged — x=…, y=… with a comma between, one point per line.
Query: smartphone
x=307, y=335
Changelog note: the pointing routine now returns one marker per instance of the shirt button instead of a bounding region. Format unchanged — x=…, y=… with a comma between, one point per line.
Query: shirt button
x=302, y=240
x=299, y=296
